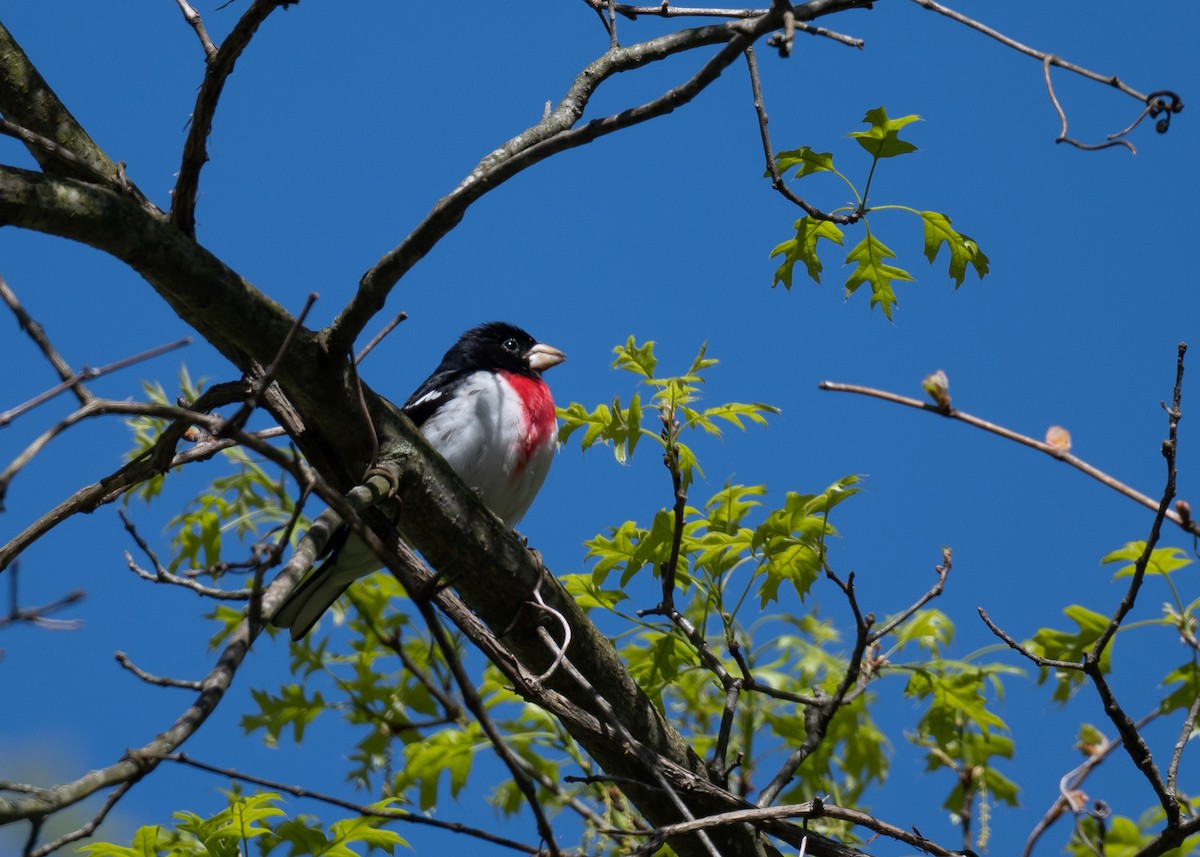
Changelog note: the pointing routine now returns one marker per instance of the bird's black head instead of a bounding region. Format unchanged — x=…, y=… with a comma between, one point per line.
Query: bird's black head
x=499, y=345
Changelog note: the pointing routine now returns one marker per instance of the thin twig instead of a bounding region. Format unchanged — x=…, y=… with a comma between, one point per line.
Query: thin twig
x=157, y=680
x=943, y=572
x=1045, y=663
x=39, y=615
x=63, y=155
x=1113, y=140
x=1108, y=80
x=38, y=334
x=812, y=809
x=238, y=420
x=360, y=809
x=378, y=338
x=777, y=181
x=1190, y=525
x=193, y=18
x=216, y=72
x=1155, y=102
x=1134, y=744
x=74, y=380
x=87, y=829
x=818, y=717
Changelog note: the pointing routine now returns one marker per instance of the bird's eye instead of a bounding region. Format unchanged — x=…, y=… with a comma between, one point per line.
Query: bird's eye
x=511, y=345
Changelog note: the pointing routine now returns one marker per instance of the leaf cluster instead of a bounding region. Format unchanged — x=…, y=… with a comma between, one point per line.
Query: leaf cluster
x=870, y=256
x=259, y=819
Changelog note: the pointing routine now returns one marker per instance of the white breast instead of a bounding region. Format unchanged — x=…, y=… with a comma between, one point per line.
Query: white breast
x=480, y=432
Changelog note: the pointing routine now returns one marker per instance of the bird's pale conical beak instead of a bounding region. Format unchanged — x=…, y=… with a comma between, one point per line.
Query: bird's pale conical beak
x=542, y=356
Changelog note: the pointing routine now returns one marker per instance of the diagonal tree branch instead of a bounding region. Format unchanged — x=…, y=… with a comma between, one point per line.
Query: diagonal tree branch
x=557, y=133
x=1062, y=455
x=28, y=101
x=217, y=70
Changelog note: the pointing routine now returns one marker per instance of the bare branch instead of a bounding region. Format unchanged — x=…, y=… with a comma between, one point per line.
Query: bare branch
x=193, y=18
x=65, y=157
x=1188, y=525
x=39, y=615
x=216, y=72
x=1113, y=140
x=360, y=809
x=1156, y=102
x=943, y=572
x=1047, y=663
x=38, y=334
x=87, y=829
x=161, y=575
x=379, y=337
x=777, y=181
x=74, y=381
x=160, y=681
x=819, y=715
x=811, y=809
x=1134, y=744
x=556, y=133
x=267, y=377
x=1070, y=783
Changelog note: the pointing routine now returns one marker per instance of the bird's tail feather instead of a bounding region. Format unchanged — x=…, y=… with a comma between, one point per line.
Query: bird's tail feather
x=308, y=602
x=351, y=559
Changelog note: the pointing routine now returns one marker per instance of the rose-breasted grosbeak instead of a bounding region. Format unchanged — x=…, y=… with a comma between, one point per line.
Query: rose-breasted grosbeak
x=488, y=412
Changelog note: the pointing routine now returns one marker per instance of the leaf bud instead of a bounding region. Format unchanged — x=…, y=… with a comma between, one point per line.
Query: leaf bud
x=1059, y=438
x=937, y=386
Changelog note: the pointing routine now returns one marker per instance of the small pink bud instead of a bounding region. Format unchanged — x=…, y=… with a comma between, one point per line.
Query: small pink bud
x=1059, y=438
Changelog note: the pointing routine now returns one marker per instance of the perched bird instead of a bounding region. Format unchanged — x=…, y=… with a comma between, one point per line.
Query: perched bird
x=488, y=412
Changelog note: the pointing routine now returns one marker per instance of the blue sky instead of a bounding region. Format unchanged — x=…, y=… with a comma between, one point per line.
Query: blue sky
x=344, y=123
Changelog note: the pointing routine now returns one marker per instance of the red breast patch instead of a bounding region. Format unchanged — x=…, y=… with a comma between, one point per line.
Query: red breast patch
x=538, y=412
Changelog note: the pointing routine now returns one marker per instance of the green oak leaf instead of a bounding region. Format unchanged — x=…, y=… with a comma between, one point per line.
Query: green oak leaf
x=806, y=159
x=882, y=140
x=1162, y=560
x=963, y=249
x=803, y=248
x=869, y=256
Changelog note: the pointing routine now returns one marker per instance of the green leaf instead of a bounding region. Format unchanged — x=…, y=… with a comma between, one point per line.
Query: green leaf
x=803, y=248
x=588, y=594
x=146, y=843
x=1187, y=676
x=659, y=662
x=1070, y=646
x=1162, y=560
x=728, y=507
x=882, y=140
x=449, y=750
x=931, y=629
x=806, y=159
x=364, y=830
x=638, y=359
x=956, y=698
x=790, y=543
x=290, y=708
x=622, y=427
x=869, y=256
x=963, y=249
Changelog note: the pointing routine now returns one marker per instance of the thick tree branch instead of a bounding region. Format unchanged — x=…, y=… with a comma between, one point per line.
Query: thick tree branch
x=26, y=100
